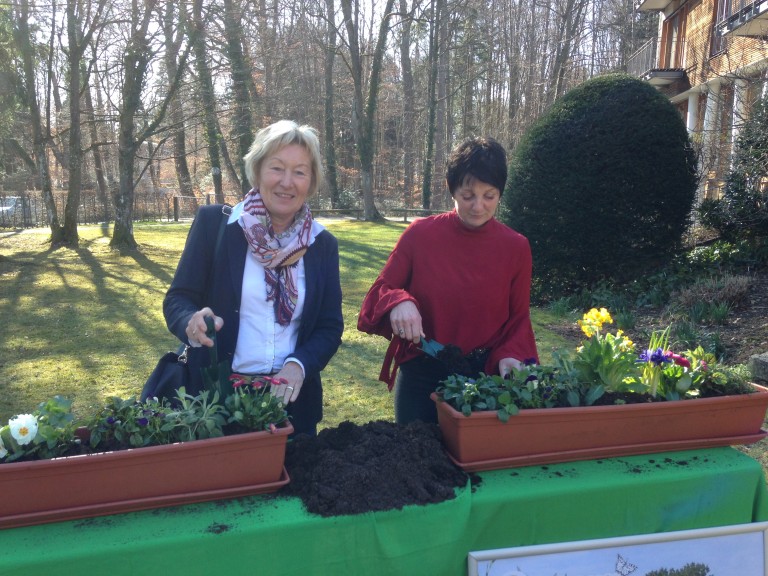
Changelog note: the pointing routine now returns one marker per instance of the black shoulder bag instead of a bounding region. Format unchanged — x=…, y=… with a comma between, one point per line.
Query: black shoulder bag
x=172, y=371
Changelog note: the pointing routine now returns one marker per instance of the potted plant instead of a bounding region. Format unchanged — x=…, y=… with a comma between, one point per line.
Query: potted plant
x=607, y=399
x=132, y=456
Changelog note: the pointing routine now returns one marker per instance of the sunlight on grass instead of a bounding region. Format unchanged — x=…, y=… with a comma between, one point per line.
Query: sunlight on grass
x=88, y=323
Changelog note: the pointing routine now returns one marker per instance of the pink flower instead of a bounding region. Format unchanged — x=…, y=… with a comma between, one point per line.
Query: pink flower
x=237, y=380
x=681, y=361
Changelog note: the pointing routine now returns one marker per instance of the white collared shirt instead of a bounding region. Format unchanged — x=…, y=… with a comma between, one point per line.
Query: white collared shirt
x=263, y=345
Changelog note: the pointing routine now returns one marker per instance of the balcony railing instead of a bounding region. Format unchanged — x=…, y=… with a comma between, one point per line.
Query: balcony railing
x=644, y=60
x=744, y=18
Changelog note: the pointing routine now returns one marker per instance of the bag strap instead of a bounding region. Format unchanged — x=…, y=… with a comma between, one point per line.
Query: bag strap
x=226, y=210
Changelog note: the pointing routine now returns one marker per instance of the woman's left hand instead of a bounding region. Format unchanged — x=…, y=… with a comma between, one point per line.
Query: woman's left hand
x=507, y=364
x=291, y=377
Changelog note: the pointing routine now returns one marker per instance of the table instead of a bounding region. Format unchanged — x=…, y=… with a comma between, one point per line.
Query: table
x=273, y=534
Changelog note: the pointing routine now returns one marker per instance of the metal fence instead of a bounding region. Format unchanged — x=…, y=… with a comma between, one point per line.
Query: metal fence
x=28, y=210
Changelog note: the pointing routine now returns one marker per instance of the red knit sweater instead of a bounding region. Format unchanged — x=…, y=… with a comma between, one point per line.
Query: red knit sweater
x=472, y=288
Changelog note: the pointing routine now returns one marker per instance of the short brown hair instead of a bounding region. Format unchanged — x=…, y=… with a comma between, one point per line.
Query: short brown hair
x=482, y=157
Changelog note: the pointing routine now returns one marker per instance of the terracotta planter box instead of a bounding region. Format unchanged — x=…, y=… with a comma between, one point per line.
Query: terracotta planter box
x=142, y=478
x=538, y=436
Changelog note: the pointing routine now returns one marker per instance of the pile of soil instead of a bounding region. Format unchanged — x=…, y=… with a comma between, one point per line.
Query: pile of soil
x=353, y=469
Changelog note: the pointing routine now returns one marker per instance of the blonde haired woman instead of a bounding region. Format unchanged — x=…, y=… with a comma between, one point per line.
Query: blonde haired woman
x=273, y=289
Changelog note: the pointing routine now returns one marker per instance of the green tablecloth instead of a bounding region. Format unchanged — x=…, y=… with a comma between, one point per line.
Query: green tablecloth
x=273, y=534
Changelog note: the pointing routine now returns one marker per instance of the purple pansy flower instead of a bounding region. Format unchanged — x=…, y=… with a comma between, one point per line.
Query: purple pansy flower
x=655, y=356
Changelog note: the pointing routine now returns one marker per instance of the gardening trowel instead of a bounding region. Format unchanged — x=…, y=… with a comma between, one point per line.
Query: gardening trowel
x=216, y=375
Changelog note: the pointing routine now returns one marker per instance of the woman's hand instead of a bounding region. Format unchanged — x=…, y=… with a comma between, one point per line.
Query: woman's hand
x=507, y=364
x=406, y=321
x=290, y=379
x=196, y=328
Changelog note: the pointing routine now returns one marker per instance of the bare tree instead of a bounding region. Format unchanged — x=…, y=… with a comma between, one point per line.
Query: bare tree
x=364, y=106
x=207, y=96
x=409, y=102
x=83, y=20
x=435, y=23
x=23, y=39
x=241, y=119
x=330, y=130
x=139, y=52
x=174, y=38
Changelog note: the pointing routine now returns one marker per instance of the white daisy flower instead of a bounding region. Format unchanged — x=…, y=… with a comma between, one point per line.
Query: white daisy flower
x=23, y=428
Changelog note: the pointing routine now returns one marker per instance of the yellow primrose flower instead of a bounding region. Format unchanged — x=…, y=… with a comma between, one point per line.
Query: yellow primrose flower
x=594, y=320
x=604, y=316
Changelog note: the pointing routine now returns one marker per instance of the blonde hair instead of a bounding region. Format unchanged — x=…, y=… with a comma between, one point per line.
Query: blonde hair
x=278, y=135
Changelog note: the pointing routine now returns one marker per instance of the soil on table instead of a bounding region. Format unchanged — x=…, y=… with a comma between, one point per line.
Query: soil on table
x=376, y=466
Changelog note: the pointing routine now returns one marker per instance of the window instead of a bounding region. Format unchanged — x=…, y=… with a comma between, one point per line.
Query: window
x=722, y=13
x=673, y=40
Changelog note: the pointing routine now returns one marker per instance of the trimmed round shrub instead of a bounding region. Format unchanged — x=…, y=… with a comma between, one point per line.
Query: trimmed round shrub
x=602, y=185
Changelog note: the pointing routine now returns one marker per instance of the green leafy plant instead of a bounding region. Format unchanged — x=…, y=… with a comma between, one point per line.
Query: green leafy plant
x=532, y=386
x=198, y=418
x=603, y=363
x=52, y=431
x=252, y=407
x=605, y=359
x=48, y=432
x=124, y=424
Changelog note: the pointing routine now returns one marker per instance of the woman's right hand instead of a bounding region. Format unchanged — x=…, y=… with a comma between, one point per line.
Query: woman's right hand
x=405, y=319
x=196, y=328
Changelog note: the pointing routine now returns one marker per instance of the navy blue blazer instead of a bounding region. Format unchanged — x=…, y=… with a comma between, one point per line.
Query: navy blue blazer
x=202, y=280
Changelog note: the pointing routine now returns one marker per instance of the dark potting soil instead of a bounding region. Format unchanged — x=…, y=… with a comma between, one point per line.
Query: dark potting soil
x=376, y=466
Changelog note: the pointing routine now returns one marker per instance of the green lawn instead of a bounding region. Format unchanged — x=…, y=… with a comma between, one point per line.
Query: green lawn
x=88, y=324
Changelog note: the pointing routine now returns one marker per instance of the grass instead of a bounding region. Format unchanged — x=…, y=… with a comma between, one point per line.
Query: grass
x=87, y=323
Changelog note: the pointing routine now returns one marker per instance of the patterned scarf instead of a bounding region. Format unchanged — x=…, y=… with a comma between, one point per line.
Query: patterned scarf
x=277, y=253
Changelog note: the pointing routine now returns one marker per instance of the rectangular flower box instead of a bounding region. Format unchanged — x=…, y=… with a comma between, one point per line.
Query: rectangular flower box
x=539, y=436
x=137, y=479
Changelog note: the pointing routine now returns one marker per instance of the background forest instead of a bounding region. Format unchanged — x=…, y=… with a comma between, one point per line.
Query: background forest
x=114, y=107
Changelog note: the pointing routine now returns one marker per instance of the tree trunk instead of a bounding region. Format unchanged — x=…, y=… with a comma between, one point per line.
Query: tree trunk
x=441, y=109
x=207, y=96
x=434, y=43
x=241, y=120
x=75, y=156
x=409, y=106
x=175, y=109
x=135, y=63
x=364, y=109
x=267, y=44
x=330, y=131
x=22, y=35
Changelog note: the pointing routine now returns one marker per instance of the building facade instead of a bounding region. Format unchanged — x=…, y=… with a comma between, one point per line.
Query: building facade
x=710, y=58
